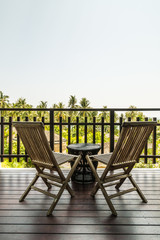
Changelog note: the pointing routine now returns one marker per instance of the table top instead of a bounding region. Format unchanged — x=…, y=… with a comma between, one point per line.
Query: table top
x=84, y=147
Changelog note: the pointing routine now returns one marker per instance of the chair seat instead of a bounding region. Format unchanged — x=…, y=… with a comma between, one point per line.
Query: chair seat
x=103, y=158
x=63, y=158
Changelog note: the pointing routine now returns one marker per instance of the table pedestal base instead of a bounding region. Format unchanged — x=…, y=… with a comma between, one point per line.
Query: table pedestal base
x=83, y=174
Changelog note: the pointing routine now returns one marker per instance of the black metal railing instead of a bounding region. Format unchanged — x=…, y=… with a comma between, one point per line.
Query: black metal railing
x=78, y=125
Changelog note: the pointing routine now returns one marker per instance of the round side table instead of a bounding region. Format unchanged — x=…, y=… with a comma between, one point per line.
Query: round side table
x=83, y=174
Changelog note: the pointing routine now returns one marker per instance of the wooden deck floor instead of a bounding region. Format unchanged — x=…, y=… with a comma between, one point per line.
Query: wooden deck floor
x=81, y=217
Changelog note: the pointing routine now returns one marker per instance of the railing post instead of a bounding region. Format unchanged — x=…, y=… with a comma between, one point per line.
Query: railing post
x=10, y=138
x=52, y=129
x=43, y=119
x=94, y=129
x=102, y=135
x=69, y=130
x=120, y=122
x=26, y=158
x=111, y=131
x=77, y=129
x=85, y=130
x=154, y=141
x=60, y=134
x=146, y=147
x=2, y=137
x=18, y=142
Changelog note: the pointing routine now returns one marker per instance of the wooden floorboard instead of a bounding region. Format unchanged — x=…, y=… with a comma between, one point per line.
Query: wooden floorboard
x=81, y=217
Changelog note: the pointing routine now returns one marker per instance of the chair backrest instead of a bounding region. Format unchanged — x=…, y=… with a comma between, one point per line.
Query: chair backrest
x=132, y=140
x=35, y=142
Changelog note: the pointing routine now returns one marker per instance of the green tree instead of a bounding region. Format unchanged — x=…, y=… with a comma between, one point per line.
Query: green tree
x=42, y=105
x=59, y=114
x=4, y=100
x=72, y=104
x=105, y=114
x=4, y=103
x=21, y=103
x=134, y=114
x=84, y=103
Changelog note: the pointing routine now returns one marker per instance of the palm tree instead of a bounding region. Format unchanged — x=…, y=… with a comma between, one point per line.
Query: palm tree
x=84, y=103
x=134, y=114
x=130, y=114
x=22, y=103
x=59, y=114
x=4, y=102
x=42, y=105
x=106, y=116
x=104, y=113
x=72, y=104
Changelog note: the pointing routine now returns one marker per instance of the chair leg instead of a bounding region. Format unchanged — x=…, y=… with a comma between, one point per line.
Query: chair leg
x=64, y=186
x=49, y=186
x=100, y=185
x=28, y=188
x=108, y=200
x=53, y=205
x=95, y=190
x=118, y=185
x=70, y=175
x=138, y=189
x=69, y=189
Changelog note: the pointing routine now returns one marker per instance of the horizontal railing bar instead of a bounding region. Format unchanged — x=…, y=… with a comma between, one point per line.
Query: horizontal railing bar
x=13, y=155
x=150, y=156
x=66, y=123
x=74, y=124
x=80, y=109
x=25, y=155
x=82, y=123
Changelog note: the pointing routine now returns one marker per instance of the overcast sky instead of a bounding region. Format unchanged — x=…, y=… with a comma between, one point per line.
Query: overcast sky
x=105, y=50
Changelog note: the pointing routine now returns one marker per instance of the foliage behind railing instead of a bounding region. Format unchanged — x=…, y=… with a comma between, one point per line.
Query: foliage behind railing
x=98, y=125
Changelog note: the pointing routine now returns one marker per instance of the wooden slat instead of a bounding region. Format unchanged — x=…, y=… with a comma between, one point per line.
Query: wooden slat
x=77, y=237
x=45, y=192
x=78, y=229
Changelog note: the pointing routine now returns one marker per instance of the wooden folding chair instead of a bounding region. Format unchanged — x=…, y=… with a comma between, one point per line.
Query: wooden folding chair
x=131, y=142
x=35, y=142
